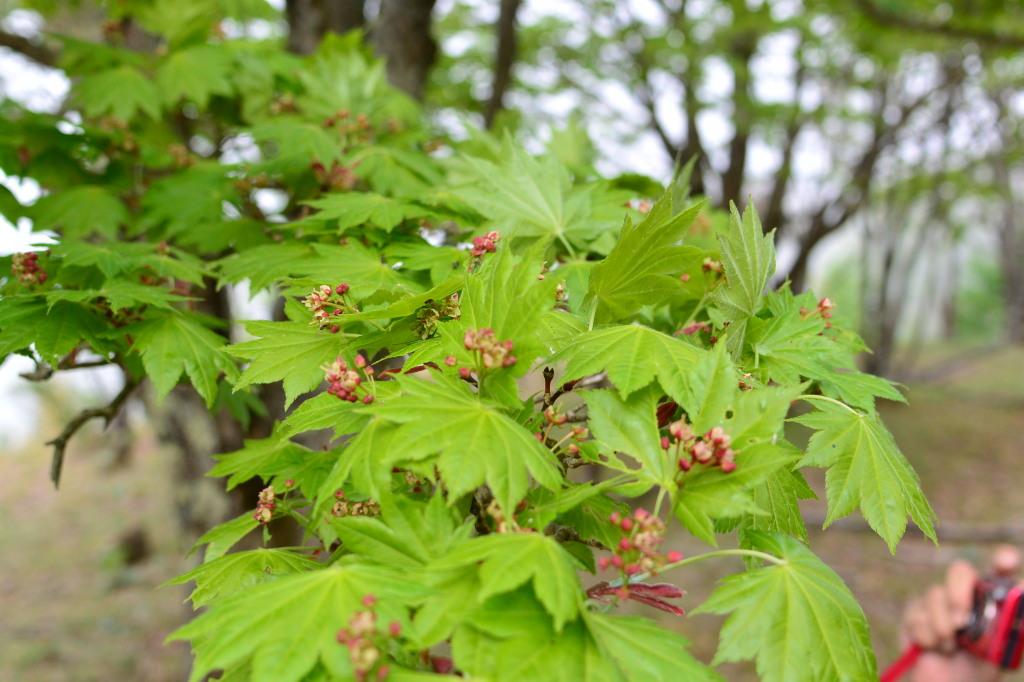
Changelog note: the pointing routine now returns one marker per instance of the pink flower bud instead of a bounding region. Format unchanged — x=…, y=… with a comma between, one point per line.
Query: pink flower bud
x=450, y=361
x=625, y=544
x=367, y=399
x=341, y=289
x=603, y=563
x=665, y=443
x=617, y=561
x=627, y=524
x=685, y=464
x=640, y=514
x=360, y=361
x=615, y=518
x=369, y=601
x=394, y=628
x=632, y=569
x=674, y=556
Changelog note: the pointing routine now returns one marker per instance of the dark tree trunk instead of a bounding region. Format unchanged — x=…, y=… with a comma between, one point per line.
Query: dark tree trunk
x=504, y=59
x=402, y=36
x=309, y=20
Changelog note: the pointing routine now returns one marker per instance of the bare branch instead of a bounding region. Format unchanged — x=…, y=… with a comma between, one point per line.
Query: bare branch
x=890, y=18
x=107, y=413
x=27, y=47
x=504, y=59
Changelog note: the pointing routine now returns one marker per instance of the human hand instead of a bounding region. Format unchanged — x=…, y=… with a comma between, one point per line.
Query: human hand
x=931, y=622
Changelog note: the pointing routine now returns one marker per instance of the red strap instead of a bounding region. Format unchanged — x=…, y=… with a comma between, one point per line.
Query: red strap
x=903, y=664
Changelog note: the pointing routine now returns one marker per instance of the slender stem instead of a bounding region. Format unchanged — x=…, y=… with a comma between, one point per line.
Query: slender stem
x=764, y=556
x=661, y=498
x=593, y=316
x=697, y=309
x=567, y=245
x=808, y=396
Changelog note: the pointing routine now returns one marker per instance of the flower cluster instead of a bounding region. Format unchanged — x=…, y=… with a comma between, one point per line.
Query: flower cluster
x=343, y=507
x=492, y=353
x=25, y=266
x=824, y=309
x=365, y=642
x=711, y=265
x=639, y=550
x=337, y=177
x=265, y=506
x=347, y=382
x=711, y=449
x=433, y=312
x=486, y=244
x=326, y=302
x=359, y=127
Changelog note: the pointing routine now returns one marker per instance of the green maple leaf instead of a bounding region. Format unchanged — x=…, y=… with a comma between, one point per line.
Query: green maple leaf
x=643, y=268
x=789, y=346
x=407, y=534
x=289, y=351
x=475, y=441
x=80, y=211
x=633, y=356
x=642, y=650
x=54, y=332
x=325, y=411
x=271, y=458
x=748, y=257
x=363, y=463
x=533, y=197
x=508, y=560
x=262, y=265
x=222, y=537
x=120, y=294
x=195, y=74
x=865, y=469
x=292, y=144
x=283, y=627
x=349, y=209
x=710, y=389
x=177, y=343
x=233, y=573
x=190, y=203
x=779, y=496
x=629, y=426
x=121, y=92
x=796, y=619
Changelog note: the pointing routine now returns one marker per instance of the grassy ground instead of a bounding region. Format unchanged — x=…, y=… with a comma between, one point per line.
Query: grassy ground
x=73, y=610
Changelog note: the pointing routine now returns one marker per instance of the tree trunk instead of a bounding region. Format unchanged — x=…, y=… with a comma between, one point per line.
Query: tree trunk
x=504, y=59
x=402, y=36
x=309, y=20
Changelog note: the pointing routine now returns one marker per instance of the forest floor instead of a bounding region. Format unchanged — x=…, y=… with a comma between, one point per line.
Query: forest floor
x=73, y=609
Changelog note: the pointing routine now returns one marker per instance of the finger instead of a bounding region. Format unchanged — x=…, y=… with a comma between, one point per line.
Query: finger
x=1006, y=561
x=960, y=580
x=941, y=618
x=918, y=625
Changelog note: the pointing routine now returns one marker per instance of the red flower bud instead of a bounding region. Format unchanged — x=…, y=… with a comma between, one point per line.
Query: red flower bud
x=369, y=600
x=465, y=372
x=367, y=399
x=674, y=556
x=665, y=442
x=627, y=524
x=603, y=563
x=625, y=544
x=394, y=628
x=341, y=289
x=617, y=561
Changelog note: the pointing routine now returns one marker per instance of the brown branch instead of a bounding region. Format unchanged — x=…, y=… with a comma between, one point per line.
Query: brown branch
x=107, y=413
x=504, y=60
x=44, y=371
x=889, y=19
x=27, y=47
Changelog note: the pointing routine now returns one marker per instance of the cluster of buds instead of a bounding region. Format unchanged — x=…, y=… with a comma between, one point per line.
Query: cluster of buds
x=711, y=449
x=344, y=507
x=824, y=309
x=639, y=549
x=365, y=642
x=486, y=244
x=25, y=266
x=504, y=523
x=337, y=177
x=711, y=265
x=358, y=126
x=347, y=382
x=265, y=506
x=492, y=353
x=695, y=327
x=434, y=312
x=326, y=302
